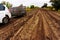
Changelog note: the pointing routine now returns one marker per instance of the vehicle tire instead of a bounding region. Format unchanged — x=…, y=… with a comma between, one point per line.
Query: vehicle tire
x=5, y=20
x=24, y=14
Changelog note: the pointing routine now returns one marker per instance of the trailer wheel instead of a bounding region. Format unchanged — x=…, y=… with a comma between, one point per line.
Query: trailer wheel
x=24, y=14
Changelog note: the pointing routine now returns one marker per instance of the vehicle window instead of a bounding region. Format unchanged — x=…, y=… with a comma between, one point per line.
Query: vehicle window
x=2, y=7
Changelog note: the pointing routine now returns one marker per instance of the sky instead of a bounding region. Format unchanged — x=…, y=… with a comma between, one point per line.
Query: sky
x=27, y=2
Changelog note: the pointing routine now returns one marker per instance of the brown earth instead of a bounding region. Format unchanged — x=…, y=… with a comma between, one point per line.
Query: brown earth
x=38, y=24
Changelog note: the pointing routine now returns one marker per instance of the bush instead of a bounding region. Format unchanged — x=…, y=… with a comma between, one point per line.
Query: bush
x=44, y=6
x=56, y=4
x=32, y=6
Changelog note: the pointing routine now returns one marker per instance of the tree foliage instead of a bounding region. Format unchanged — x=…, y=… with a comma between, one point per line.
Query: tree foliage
x=56, y=4
x=9, y=5
x=45, y=5
x=32, y=6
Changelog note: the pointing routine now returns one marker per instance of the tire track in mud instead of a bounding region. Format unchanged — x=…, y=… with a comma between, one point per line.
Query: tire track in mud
x=52, y=25
x=37, y=25
x=57, y=26
x=55, y=18
x=44, y=28
x=4, y=35
x=38, y=33
x=27, y=29
x=56, y=13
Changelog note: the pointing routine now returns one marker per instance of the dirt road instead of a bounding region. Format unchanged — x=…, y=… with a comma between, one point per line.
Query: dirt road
x=38, y=24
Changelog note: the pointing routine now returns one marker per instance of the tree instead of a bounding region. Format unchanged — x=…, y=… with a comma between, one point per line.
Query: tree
x=3, y=2
x=56, y=4
x=9, y=5
x=32, y=6
x=45, y=5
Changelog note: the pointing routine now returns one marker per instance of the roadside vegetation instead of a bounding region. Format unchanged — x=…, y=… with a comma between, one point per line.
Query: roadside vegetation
x=31, y=7
x=28, y=9
x=56, y=4
x=8, y=5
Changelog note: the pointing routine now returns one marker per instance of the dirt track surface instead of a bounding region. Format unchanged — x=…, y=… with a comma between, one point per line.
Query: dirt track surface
x=38, y=24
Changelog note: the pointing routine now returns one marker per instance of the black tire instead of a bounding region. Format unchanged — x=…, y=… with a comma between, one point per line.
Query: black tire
x=5, y=20
x=24, y=14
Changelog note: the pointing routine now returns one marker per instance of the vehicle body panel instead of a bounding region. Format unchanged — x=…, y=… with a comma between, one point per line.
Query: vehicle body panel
x=3, y=13
x=18, y=11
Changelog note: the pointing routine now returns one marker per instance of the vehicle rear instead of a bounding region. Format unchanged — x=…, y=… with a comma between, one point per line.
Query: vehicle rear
x=5, y=15
x=18, y=11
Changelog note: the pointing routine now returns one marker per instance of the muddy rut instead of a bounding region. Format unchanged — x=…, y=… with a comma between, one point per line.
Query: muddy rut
x=38, y=24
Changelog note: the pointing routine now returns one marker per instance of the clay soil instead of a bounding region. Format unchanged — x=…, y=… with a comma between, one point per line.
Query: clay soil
x=38, y=24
